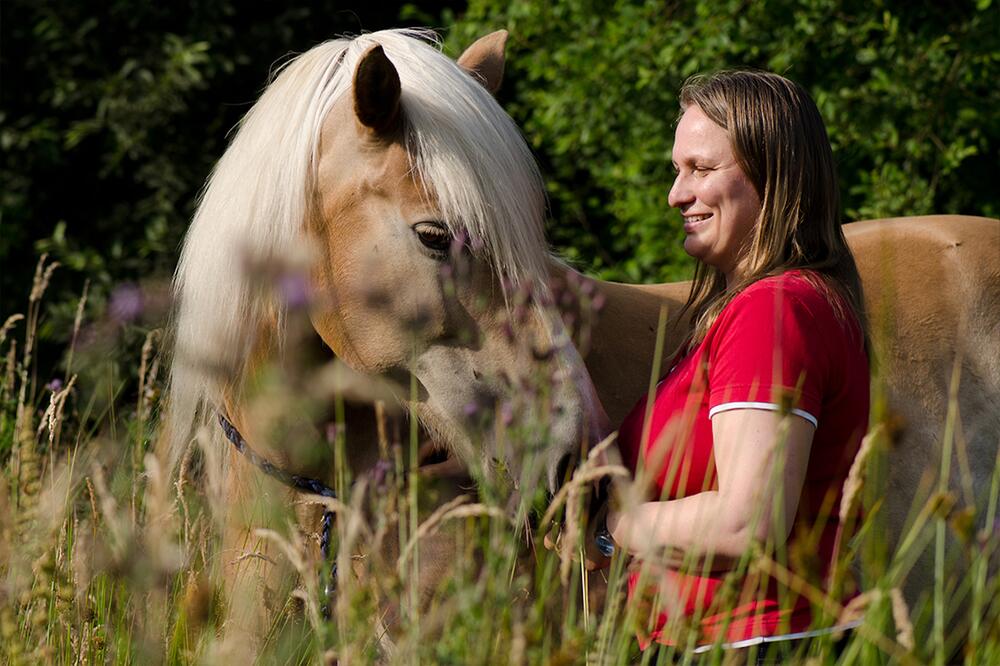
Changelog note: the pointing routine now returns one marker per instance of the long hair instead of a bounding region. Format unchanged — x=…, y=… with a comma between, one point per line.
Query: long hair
x=779, y=141
x=466, y=150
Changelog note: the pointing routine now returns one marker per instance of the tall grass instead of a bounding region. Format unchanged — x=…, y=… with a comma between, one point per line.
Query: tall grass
x=105, y=557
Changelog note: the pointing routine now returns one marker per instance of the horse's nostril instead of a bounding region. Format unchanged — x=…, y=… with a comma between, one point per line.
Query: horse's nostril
x=564, y=469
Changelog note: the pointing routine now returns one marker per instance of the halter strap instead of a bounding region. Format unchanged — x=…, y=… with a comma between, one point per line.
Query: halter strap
x=295, y=482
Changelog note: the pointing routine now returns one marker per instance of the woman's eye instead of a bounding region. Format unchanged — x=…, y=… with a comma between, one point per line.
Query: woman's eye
x=433, y=235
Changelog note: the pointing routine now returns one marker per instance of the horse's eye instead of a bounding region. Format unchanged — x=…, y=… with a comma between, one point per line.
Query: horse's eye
x=433, y=235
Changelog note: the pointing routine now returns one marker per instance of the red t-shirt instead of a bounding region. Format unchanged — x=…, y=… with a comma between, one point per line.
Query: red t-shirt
x=778, y=344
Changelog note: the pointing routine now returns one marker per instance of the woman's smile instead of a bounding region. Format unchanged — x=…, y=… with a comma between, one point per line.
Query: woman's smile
x=693, y=222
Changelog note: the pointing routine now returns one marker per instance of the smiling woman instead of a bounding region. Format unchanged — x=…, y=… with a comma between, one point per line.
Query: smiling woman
x=753, y=430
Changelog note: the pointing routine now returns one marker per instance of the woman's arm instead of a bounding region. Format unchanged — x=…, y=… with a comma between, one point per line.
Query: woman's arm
x=761, y=459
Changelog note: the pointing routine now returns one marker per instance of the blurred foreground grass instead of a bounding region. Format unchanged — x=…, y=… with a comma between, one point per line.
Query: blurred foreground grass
x=105, y=557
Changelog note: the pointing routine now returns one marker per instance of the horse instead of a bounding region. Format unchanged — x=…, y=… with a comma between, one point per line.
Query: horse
x=359, y=167
x=376, y=165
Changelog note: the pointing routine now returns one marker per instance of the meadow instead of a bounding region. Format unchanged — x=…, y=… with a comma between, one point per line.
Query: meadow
x=108, y=556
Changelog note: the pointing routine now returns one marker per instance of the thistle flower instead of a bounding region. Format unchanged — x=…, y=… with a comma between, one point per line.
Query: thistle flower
x=380, y=473
x=294, y=290
x=126, y=303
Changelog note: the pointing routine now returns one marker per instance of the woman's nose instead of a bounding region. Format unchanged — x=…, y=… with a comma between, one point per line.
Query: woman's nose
x=680, y=193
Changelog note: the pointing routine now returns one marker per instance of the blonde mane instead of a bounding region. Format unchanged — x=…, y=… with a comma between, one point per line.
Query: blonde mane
x=469, y=154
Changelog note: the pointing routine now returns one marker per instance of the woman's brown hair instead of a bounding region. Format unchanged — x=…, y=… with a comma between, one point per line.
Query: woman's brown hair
x=779, y=140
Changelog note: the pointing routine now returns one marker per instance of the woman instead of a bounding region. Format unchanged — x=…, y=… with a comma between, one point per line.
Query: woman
x=754, y=429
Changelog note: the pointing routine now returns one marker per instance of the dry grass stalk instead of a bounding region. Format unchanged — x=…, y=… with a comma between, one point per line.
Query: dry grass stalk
x=570, y=540
x=43, y=274
x=160, y=519
x=855, y=609
x=850, y=501
x=77, y=320
x=215, y=482
x=425, y=528
x=338, y=507
x=117, y=528
x=580, y=479
x=349, y=533
x=901, y=616
x=10, y=365
x=598, y=455
x=9, y=324
x=53, y=415
x=383, y=438
x=182, y=480
x=40, y=283
x=146, y=393
x=82, y=562
x=851, y=497
x=294, y=551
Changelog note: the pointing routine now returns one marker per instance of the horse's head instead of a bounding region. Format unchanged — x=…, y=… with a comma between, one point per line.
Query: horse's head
x=424, y=209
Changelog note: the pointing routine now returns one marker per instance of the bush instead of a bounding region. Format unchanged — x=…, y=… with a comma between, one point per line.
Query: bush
x=908, y=91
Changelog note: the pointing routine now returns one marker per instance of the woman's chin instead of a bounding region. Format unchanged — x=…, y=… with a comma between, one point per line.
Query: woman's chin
x=695, y=247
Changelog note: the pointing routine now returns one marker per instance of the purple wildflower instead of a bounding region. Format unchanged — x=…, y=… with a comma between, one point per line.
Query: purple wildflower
x=126, y=303
x=508, y=331
x=294, y=290
x=598, y=302
x=333, y=430
x=506, y=413
x=379, y=474
x=55, y=385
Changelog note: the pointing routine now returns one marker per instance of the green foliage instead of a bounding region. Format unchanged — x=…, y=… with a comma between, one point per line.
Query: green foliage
x=908, y=91
x=111, y=118
x=112, y=115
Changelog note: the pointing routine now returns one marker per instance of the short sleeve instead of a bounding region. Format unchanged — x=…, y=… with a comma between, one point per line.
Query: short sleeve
x=768, y=351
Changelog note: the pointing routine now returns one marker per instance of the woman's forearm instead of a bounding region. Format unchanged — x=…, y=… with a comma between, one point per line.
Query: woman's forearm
x=697, y=526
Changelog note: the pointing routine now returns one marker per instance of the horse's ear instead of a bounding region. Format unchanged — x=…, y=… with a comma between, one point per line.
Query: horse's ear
x=485, y=59
x=376, y=92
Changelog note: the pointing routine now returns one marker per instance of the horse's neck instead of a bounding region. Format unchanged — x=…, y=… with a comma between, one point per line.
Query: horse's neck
x=623, y=341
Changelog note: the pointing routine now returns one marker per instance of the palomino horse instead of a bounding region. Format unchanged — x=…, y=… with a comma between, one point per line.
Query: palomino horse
x=370, y=157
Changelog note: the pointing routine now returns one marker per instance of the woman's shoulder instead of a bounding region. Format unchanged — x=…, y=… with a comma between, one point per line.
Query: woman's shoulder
x=794, y=288
x=804, y=294
x=801, y=283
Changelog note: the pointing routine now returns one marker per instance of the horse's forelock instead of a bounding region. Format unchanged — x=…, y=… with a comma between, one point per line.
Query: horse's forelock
x=472, y=157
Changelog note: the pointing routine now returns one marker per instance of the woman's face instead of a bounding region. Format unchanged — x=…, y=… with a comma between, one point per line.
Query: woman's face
x=718, y=202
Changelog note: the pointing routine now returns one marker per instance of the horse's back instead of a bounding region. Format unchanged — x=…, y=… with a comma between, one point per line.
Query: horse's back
x=932, y=288
x=932, y=291
x=958, y=247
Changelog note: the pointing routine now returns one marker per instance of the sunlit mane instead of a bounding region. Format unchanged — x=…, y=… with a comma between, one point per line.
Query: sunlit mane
x=466, y=149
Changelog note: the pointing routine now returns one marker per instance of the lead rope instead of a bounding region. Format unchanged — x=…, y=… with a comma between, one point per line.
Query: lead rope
x=296, y=482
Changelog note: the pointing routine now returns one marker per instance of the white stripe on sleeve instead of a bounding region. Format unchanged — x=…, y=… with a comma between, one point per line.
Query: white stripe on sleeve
x=769, y=406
